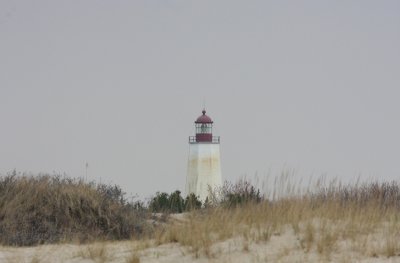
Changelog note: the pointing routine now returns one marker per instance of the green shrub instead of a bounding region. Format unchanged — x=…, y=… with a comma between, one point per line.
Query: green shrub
x=176, y=202
x=159, y=203
x=192, y=202
x=173, y=203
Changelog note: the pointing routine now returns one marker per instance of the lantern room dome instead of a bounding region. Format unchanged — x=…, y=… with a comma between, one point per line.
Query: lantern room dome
x=204, y=118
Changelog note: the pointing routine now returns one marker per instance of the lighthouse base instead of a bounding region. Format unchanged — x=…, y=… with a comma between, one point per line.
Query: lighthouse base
x=204, y=169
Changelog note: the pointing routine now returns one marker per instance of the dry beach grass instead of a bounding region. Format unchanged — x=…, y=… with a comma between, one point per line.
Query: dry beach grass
x=362, y=220
x=46, y=209
x=326, y=223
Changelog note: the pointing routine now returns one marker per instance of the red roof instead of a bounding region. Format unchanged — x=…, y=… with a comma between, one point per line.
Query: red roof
x=203, y=118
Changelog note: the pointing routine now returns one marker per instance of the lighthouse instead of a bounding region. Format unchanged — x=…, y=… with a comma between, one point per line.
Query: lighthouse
x=204, y=164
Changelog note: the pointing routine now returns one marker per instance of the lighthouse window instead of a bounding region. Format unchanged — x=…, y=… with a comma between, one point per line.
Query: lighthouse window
x=203, y=128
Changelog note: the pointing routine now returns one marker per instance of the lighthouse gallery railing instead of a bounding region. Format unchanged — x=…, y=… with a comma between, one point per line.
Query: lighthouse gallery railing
x=215, y=139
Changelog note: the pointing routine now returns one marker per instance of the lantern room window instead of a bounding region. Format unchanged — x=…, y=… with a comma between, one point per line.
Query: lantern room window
x=203, y=128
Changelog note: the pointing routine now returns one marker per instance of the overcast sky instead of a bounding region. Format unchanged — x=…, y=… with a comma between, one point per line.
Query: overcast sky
x=312, y=86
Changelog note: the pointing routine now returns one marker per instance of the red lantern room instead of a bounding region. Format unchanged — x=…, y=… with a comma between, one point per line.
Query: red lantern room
x=204, y=130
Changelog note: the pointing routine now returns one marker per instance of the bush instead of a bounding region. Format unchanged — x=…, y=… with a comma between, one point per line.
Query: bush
x=239, y=193
x=192, y=202
x=176, y=202
x=173, y=203
x=50, y=208
x=166, y=203
x=159, y=203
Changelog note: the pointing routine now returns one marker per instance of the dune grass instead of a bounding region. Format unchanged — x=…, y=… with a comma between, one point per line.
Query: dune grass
x=324, y=219
x=51, y=208
x=328, y=218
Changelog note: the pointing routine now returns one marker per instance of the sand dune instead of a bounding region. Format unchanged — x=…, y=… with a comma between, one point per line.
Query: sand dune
x=281, y=247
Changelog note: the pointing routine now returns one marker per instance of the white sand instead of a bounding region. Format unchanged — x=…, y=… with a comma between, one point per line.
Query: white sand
x=283, y=247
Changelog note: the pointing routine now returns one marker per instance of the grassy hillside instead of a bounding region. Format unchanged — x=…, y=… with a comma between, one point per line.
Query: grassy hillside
x=46, y=209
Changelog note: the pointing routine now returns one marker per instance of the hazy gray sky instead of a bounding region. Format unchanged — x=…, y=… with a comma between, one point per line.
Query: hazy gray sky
x=307, y=85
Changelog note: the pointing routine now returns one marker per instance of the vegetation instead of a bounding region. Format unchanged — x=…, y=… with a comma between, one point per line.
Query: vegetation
x=326, y=219
x=174, y=203
x=241, y=193
x=47, y=209
x=323, y=220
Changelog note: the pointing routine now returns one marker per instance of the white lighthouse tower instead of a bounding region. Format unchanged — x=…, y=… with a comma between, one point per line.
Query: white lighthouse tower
x=204, y=164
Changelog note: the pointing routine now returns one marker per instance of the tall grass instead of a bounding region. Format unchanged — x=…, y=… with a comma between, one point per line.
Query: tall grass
x=47, y=209
x=322, y=219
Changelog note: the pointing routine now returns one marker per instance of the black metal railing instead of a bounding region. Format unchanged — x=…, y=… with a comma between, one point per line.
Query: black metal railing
x=215, y=139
